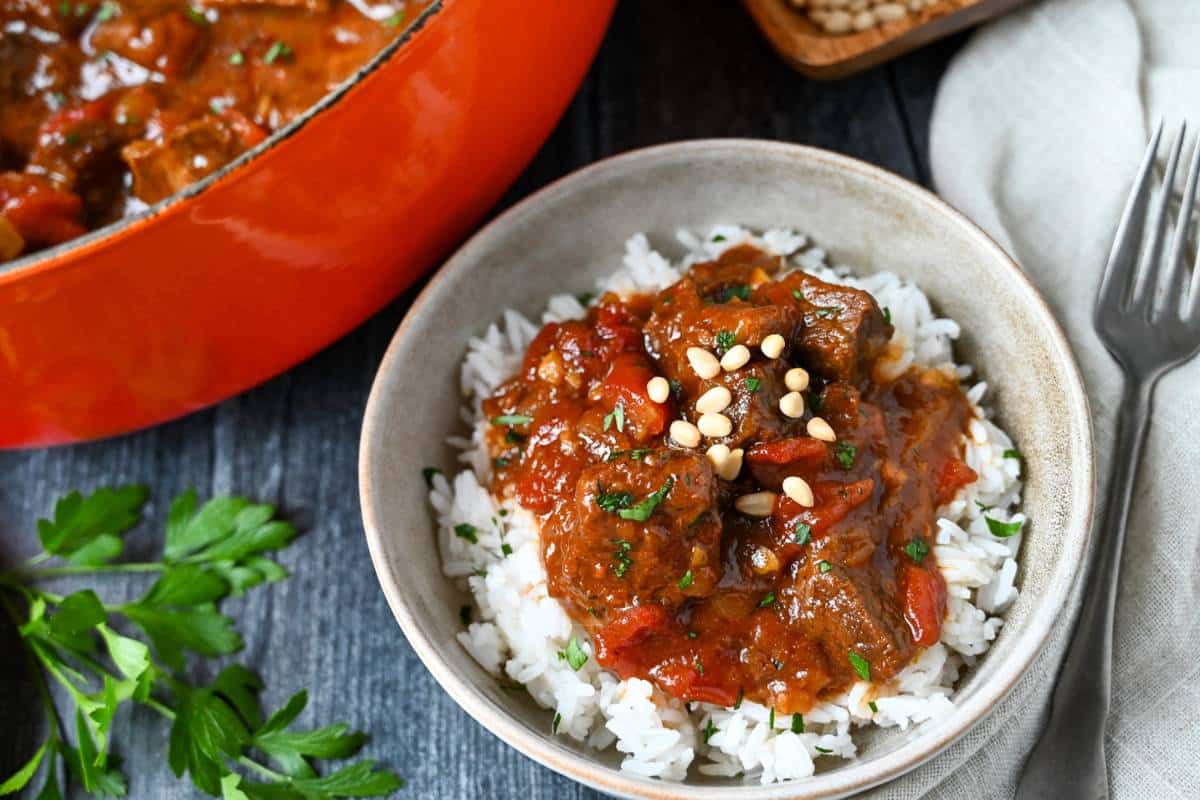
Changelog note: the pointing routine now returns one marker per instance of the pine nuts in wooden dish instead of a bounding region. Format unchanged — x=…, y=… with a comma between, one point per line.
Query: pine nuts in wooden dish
x=836, y=38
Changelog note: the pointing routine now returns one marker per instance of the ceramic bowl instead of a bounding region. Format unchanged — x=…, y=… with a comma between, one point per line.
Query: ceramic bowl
x=245, y=273
x=572, y=232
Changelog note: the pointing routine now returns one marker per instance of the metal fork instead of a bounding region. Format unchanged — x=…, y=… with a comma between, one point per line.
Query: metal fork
x=1148, y=316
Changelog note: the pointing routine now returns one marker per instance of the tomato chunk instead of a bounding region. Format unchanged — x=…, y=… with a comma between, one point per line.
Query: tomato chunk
x=41, y=213
x=954, y=475
x=617, y=641
x=923, y=592
x=626, y=384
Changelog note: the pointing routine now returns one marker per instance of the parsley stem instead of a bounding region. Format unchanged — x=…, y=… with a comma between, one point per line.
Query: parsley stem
x=40, y=558
x=85, y=569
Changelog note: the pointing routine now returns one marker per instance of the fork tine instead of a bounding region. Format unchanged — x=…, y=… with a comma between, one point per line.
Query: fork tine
x=1121, y=261
x=1146, y=278
x=1173, y=297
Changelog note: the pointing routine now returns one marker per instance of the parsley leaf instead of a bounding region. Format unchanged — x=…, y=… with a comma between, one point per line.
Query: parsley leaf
x=465, y=530
x=802, y=533
x=278, y=50
x=753, y=384
x=709, y=730
x=887, y=316
x=686, y=580
x=512, y=419
x=829, y=311
x=824, y=566
x=612, y=502
x=917, y=549
x=617, y=415
x=725, y=340
x=573, y=655
x=797, y=723
x=846, y=454
x=767, y=601
x=642, y=511
x=862, y=667
x=87, y=530
x=427, y=473
x=1002, y=530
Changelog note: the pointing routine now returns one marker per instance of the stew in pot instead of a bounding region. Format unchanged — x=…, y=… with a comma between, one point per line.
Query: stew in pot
x=109, y=105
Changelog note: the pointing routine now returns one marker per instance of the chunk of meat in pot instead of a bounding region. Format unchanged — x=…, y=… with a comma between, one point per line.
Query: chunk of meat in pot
x=79, y=149
x=316, y=6
x=170, y=43
x=31, y=72
x=183, y=156
x=42, y=213
x=63, y=18
x=844, y=328
x=648, y=534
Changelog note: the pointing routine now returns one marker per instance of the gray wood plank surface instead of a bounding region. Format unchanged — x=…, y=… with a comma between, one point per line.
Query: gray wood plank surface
x=662, y=74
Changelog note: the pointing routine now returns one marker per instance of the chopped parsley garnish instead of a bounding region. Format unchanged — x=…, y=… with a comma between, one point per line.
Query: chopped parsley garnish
x=107, y=11
x=709, y=730
x=676, y=387
x=799, y=295
x=917, y=549
x=512, y=437
x=767, y=601
x=1013, y=454
x=845, y=453
x=718, y=238
x=887, y=315
x=512, y=419
x=776, y=663
x=874, y=708
x=573, y=655
x=699, y=667
x=195, y=15
x=217, y=105
x=637, y=454
x=797, y=723
x=617, y=415
x=72, y=138
x=506, y=548
x=1002, y=530
x=771, y=719
x=394, y=19
x=237, y=58
x=984, y=506
x=585, y=298
x=686, y=580
x=466, y=531
x=824, y=566
x=862, y=667
x=612, y=502
x=642, y=511
x=427, y=473
x=802, y=533
x=557, y=721
x=500, y=463
x=753, y=384
x=741, y=694
x=725, y=340
x=621, y=556
x=820, y=749
x=464, y=614
x=829, y=311
x=278, y=50
x=692, y=634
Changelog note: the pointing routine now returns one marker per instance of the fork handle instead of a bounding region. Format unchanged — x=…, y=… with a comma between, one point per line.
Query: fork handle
x=1068, y=761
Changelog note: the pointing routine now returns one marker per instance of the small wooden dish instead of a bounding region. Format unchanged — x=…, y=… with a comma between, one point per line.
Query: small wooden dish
x=817, y=54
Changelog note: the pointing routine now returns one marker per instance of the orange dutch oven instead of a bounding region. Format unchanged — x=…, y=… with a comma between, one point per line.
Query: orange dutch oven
x=268, y=260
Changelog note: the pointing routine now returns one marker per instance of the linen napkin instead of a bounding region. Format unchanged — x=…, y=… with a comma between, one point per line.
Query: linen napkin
x=1039, y=125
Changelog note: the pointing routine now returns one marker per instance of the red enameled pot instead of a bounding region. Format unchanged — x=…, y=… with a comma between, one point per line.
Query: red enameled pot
x=262, y=264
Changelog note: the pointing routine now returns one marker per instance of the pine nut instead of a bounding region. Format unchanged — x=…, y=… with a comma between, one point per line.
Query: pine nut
x=890, y=12
x=733, y=464
x=838, y=22
x=714, y=426
x=796, y=379
x=717, y=455
x=685, y=433
x=758, y=504
x=819, y=429
x=798, y=489
x=659, y=389
x=792, y=405
x=715, y=400
x=864, y=21
x=704, y=363
x=735, y=357
x=772, y=346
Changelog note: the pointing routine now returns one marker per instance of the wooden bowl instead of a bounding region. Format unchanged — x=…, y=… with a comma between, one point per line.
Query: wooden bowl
x=257, y=267
x=821, y=55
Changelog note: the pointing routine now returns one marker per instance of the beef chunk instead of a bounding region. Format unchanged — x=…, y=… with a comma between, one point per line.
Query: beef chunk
x=845, y=611
x=184, y=155
x=844, y=329
x=169, y=43
x=643, y=558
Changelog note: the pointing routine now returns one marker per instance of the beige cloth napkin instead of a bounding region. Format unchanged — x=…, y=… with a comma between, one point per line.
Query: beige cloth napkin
x=1039, y=125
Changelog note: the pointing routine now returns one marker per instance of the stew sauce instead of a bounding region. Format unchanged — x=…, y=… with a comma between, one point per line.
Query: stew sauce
x=643, y=541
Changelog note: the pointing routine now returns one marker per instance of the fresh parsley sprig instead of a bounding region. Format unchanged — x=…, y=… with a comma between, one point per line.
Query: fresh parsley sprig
x=219, y=735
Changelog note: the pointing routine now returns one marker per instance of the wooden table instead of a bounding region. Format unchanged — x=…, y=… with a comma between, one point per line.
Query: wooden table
x=660, y=76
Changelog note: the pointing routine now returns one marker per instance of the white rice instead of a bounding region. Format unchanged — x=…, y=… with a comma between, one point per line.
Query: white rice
x=519, y=630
